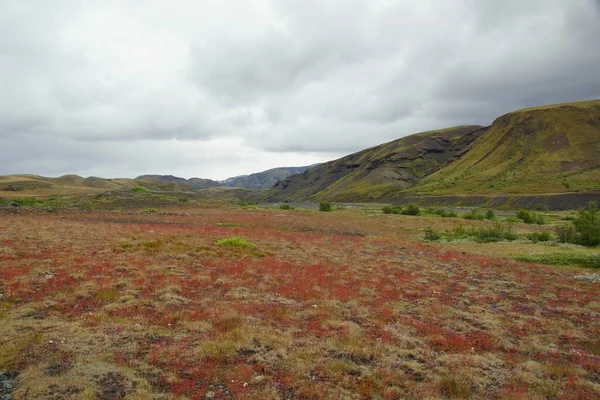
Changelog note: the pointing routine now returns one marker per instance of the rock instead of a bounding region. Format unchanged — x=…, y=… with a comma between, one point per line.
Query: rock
x=210, y=395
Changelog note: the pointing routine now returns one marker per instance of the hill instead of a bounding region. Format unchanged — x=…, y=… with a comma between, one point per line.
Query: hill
x=193, y=183
x=541, y=150
x=380, y=171
x=265, y=179
x=552, y=149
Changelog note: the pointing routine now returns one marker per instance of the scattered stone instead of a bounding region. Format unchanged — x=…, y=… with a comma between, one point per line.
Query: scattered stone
x=7, y=384
x=592, y=278
x=210, y=395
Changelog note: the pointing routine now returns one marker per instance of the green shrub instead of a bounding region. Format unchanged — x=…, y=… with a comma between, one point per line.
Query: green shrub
x=495, y=233
x=431, y=235
x=286, y=207
x=325, y=206
x=475, y=215
x=490, y=215
x=387, y=209
x=150, y=210
x=530, y=217
x=139, y=189
x=537, y=237
x=444, y=213
x=587, y=225
x=411, y=209
x=236, y=242
x=565, y=233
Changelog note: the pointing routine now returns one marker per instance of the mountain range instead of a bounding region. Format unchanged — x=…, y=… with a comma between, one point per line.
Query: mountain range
x=523, y=158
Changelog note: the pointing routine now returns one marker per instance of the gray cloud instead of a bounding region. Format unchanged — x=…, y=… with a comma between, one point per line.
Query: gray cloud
x=216, y=88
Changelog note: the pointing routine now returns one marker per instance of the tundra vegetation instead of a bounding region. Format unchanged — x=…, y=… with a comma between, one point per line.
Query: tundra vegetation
x=243, y=301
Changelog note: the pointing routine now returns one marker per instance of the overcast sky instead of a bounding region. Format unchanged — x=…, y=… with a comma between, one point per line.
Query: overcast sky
x=221, y=88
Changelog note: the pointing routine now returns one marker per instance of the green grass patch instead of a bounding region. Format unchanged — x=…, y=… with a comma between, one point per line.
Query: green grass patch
x=139, y=189
x=236, y=242
x=584, y=260
x=26, y=201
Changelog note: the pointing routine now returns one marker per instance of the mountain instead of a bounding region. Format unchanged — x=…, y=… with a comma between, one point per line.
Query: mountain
x=265, y=179
x=541, y=150
x=551, y=149
x=193, y=183
x=381, y=170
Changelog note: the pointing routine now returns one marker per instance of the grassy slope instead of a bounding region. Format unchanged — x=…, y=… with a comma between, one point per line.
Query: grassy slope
x=552, y=149
x=378, y=171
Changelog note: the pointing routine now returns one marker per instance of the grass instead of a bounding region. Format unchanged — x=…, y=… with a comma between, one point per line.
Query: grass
x=584, y=260
x=235, y=242
x=348, y=304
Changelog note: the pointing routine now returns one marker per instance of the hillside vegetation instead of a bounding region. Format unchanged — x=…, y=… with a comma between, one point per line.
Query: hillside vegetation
x=378, y=171
x=551, y=149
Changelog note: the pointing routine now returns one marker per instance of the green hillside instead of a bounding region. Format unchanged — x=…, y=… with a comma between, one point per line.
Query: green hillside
x=552, y=149
x=380, y=171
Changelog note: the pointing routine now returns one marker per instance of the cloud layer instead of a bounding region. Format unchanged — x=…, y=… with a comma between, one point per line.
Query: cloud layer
x=219, y=88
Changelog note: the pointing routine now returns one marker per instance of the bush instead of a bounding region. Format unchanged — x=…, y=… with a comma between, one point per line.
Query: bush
x=585, y=228
x=474, y=215
x=587, y=225
x=325, y=206
x=411, y=209
x=286, y=207
x=495, y=233
x=445, y=214
x=490, y=215
x=150, y=210
x=537, y=237
x=530, y=217
x=139, y=189
x=387, y=209
x=431, y=235
x=565, y=233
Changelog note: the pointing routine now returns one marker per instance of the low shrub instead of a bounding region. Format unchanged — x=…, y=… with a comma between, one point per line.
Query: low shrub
x=325, y=206
x=530, y=217
x=537, y=237
x=496, y=233
x=490, y=215
x=584, y=230
x=474, y=215
x=445, y=214
x=387, y=209
x=411, y=209
x=286, y=207
x=150, y=210
x=587, y=225
x=139, y=189
x=431, y=235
